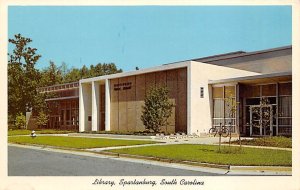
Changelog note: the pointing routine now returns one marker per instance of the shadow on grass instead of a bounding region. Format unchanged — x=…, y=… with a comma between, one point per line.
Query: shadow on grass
x=230, y=150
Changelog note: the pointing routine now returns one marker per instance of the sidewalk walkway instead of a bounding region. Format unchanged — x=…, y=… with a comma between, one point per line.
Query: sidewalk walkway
x=199, y=140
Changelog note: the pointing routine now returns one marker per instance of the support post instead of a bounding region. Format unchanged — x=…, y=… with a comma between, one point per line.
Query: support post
x=107, y=105
x=95, y=106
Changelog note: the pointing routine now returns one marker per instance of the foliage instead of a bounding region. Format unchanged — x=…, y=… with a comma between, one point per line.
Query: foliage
x=209, y=154
x=23, y=78
x=282, y=142
x=100, y=69
x=51, y=75
x=20, y=121
x=157, y=109
x=42, y=119
x=75, y=142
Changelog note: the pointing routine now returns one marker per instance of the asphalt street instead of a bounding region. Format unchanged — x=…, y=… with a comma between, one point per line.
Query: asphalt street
x=31, y=162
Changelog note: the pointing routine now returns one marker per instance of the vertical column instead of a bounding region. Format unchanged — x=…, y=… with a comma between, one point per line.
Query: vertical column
x=85, y=106
x=107, y=105
x=81, y=108
x=237, y=113
x=95, y=106
x=277, y=111
x=189, y=98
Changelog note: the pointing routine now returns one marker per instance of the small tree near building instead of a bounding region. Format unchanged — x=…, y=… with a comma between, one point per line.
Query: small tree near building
x=20, y=121
x=157, y=109
x=42, y=119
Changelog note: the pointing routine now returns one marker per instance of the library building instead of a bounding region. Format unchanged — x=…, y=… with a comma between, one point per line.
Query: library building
x=258, y=85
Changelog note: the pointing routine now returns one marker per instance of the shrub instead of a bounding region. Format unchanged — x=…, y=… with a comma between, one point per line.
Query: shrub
x=20, y=121
x=42, y=119
x=157, y=109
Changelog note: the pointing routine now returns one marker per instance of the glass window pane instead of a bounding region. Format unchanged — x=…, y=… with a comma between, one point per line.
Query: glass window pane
x=217, y=92
x=218, y=108
x=230, y=107
x=285, y=106
x=229, y=91
x=252, y=101
x=285, y=89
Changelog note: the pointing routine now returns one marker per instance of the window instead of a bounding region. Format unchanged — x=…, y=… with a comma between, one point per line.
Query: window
x=89, y=118
x=285, y=115
x=223, y=102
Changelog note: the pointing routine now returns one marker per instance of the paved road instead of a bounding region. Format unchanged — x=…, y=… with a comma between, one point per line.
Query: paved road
x=31, y=162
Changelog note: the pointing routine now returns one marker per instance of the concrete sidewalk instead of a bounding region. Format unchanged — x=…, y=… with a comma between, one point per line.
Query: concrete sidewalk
x=198, y=140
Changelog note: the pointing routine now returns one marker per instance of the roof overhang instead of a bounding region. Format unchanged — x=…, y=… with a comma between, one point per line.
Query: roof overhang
x=137, y=72
x=256, y=79
x=62, y=98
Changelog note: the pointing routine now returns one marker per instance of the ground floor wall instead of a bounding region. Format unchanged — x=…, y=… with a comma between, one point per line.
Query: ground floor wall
x=127, y=96
x=254, y=109
x=63, y=114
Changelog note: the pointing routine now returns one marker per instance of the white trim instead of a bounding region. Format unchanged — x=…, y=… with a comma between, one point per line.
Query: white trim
x=138, y=72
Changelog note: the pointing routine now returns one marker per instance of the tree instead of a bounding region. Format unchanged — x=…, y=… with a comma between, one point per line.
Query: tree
x=51, y=75
x=23, y=78
x=72, y=76
x=157, y=109
x=231, y=105
x=84, y=72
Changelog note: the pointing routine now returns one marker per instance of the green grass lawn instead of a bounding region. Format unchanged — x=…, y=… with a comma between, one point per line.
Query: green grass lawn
x=44, y=131
x=74, y=142
x=209, y=154
x=282, y=142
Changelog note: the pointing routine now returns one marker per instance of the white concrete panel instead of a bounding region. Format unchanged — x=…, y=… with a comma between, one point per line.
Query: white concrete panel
x=200, y=109
x=81, y=108
x=85, y=106
x=95, y=106
x=107, y=105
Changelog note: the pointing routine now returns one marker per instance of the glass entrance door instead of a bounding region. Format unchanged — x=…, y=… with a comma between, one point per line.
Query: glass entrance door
x=261, y=120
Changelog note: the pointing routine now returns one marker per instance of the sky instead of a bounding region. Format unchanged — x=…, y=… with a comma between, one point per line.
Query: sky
x=147, y=36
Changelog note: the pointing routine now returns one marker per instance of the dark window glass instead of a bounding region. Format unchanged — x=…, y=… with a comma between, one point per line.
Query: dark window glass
x=252, y=101
x=285, y=89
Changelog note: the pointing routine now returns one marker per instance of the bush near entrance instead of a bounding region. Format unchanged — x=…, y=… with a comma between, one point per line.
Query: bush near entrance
x=282, y=142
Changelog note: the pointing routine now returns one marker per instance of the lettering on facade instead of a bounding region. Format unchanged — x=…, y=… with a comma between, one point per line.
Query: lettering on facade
x=122, y=86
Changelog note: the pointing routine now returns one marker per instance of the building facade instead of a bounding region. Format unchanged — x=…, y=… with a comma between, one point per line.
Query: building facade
x=203, y=91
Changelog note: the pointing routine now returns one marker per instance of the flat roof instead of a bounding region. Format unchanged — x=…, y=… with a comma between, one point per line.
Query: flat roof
x=238, y=54
x=137, y=72
x=281, y=76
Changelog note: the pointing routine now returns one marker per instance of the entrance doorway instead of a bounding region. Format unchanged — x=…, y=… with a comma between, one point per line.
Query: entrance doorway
x=261, y=120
